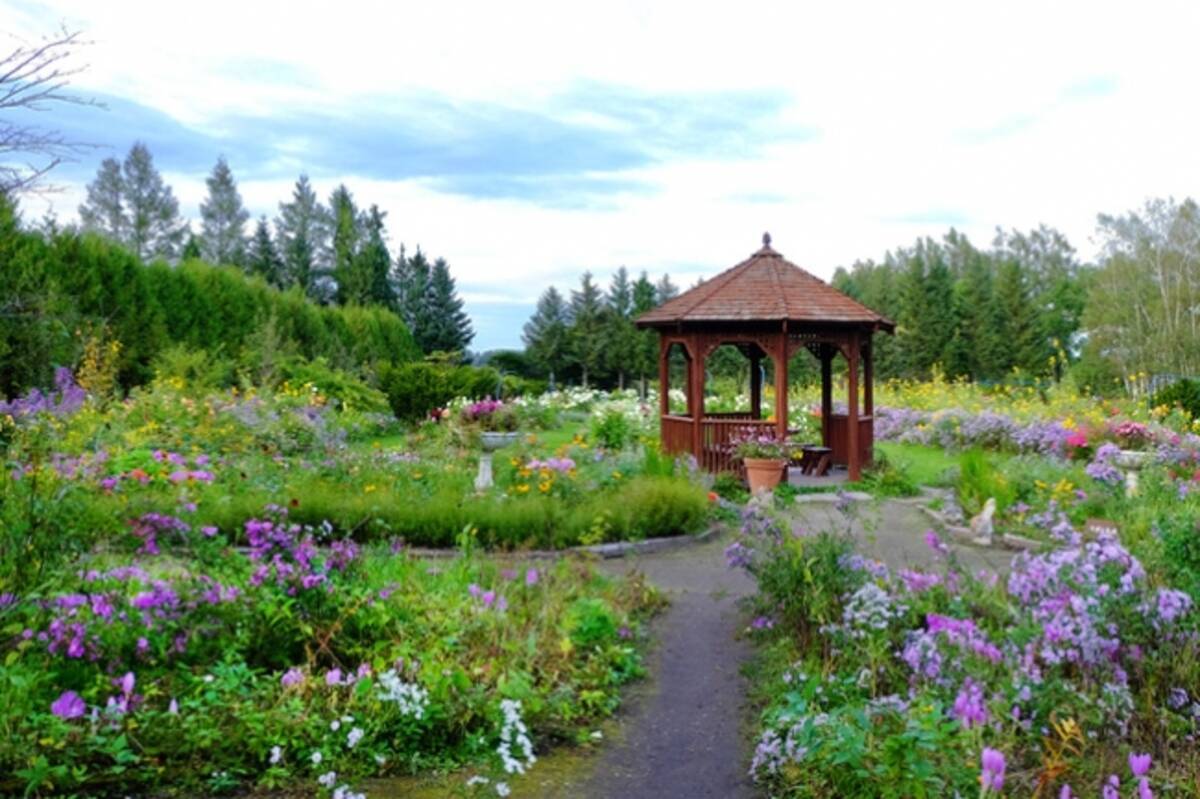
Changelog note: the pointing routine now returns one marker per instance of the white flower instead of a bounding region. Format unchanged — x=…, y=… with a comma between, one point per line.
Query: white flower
x=514, y=734
x=411, y=698
x=173, y=708
x=354, y=737
x=502, y=789
x=478, y=779
x=209, y=678
x=327, y=779
x=276, y=755
x=335, y=725
x=316, y=758
x=344, y=792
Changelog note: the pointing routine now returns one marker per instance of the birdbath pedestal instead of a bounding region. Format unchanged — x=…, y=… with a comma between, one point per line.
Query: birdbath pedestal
x=492, y=441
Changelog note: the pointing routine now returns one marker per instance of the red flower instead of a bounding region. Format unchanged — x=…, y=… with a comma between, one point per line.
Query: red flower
x=712, y=495
x=1077, y=439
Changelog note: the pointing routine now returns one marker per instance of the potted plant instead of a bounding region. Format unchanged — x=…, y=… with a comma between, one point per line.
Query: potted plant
x=764, y=454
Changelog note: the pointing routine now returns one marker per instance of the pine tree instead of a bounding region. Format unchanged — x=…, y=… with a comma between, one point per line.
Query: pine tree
x=375, y=261
x=449, y=327
x=620, y=336
x=104, y=210
x=352, y=284
x=223, y=231
x=978, y=322
x=155, y=228
x=414, y=290
x=1018, y=322
x=132, y=206
x=587, y=328
x=191, y=248
x=263, y=259
x=301, y=230
x=645, y=359
x=666, y=290
x=545, y=334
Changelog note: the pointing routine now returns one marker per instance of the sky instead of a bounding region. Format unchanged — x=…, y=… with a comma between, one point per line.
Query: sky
x=528, y=142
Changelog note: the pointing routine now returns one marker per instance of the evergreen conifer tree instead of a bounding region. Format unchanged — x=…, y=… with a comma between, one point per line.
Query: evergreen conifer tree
x=546, y=333
x=620, y=336
x=587, y=329
x=645, y=359
x=375, y=261
x=191, y=247
x=223, y=230
x=301, y=231
x=353, y=285
x=665, y=289
x=449, y=327
x=134, y=207
x=263, y=259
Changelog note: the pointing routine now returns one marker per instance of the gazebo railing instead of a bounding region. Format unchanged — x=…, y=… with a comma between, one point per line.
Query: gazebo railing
x=676, y=434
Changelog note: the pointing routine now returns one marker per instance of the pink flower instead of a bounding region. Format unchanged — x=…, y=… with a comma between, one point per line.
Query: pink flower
x=531, y=577
x=69, y=705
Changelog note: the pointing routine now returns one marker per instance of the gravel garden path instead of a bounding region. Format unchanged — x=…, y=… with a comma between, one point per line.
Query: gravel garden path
x=683, y=732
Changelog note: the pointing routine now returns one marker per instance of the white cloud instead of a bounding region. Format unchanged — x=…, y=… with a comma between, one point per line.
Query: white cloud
x=1006, y=114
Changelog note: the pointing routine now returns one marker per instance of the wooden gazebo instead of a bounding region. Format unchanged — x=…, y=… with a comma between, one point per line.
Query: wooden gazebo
x=767, y=307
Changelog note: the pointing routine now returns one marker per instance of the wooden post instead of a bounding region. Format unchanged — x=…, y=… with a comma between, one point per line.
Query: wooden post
x=664, y=377
x=756, y=383
x=698, y=360
x=869, y=378
x=827, y=353
x=781, y=383
x=854, y=462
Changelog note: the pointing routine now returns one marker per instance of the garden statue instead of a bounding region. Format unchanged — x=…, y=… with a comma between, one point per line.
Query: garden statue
x=981, y=525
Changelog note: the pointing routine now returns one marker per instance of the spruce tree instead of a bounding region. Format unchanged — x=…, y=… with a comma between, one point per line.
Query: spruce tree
x=666, y=290
x=301, y=230
x=191, y=247
x=352, y=284
x=415, y=292
x=449, y=327
x=223, y=229
x=620, y=336
x=263, y=259
x=645, y=359
x=375, y=261
x=587, y=329
x=546, y=333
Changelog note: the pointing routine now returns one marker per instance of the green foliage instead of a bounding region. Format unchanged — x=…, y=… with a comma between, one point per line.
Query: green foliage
x=415, y=389
x=979, y=480
x=887, y=479
x=345, y=389
x=727, y=486
x=1184, y=394
x=612, y=429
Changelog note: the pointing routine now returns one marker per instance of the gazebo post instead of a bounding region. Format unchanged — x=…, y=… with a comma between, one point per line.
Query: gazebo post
x=826, y=392
x=755, y=383
x=781, y=383
x=664, y=376
x=698, y=360
x=869, y=378
x=854, y=466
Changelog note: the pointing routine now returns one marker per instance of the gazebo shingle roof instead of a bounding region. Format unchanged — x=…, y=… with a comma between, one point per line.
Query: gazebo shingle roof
x=764, y=287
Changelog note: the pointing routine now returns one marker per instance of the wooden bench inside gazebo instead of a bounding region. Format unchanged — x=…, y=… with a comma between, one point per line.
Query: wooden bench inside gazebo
x=769, y=308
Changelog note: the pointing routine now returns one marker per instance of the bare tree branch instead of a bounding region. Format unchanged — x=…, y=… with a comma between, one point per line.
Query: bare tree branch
x=34, y=79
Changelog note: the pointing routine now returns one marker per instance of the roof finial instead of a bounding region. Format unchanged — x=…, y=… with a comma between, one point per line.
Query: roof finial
x=766, y=239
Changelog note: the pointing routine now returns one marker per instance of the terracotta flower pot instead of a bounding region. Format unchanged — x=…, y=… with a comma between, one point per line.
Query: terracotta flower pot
x=763, y=474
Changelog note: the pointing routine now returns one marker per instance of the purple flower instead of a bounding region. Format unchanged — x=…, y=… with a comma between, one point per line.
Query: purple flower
x=1139, y=764
x=993, y=764
x=531, y=577
x=1110, y=789
x=762, y=623
x=934, y=542
x=333, y=677
x=1066, y=793
x=969, y=707
x=69, y=705
x=292, y=676
x=208, y=530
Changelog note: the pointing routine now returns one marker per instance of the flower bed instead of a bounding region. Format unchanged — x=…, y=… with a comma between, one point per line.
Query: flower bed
x=1076, y=671
x=302, y=659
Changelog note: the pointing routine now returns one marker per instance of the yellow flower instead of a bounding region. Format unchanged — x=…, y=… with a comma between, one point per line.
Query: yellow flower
x=417, y=475
x=369, y=488
x=544, y=486
x=616, y=475
x=525, y=472
x=522, y=488
x=515, y=461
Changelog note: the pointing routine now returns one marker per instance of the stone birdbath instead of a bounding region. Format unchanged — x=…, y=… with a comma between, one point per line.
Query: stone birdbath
x=1132, y=461
x=497, y=423
x=491, y=441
